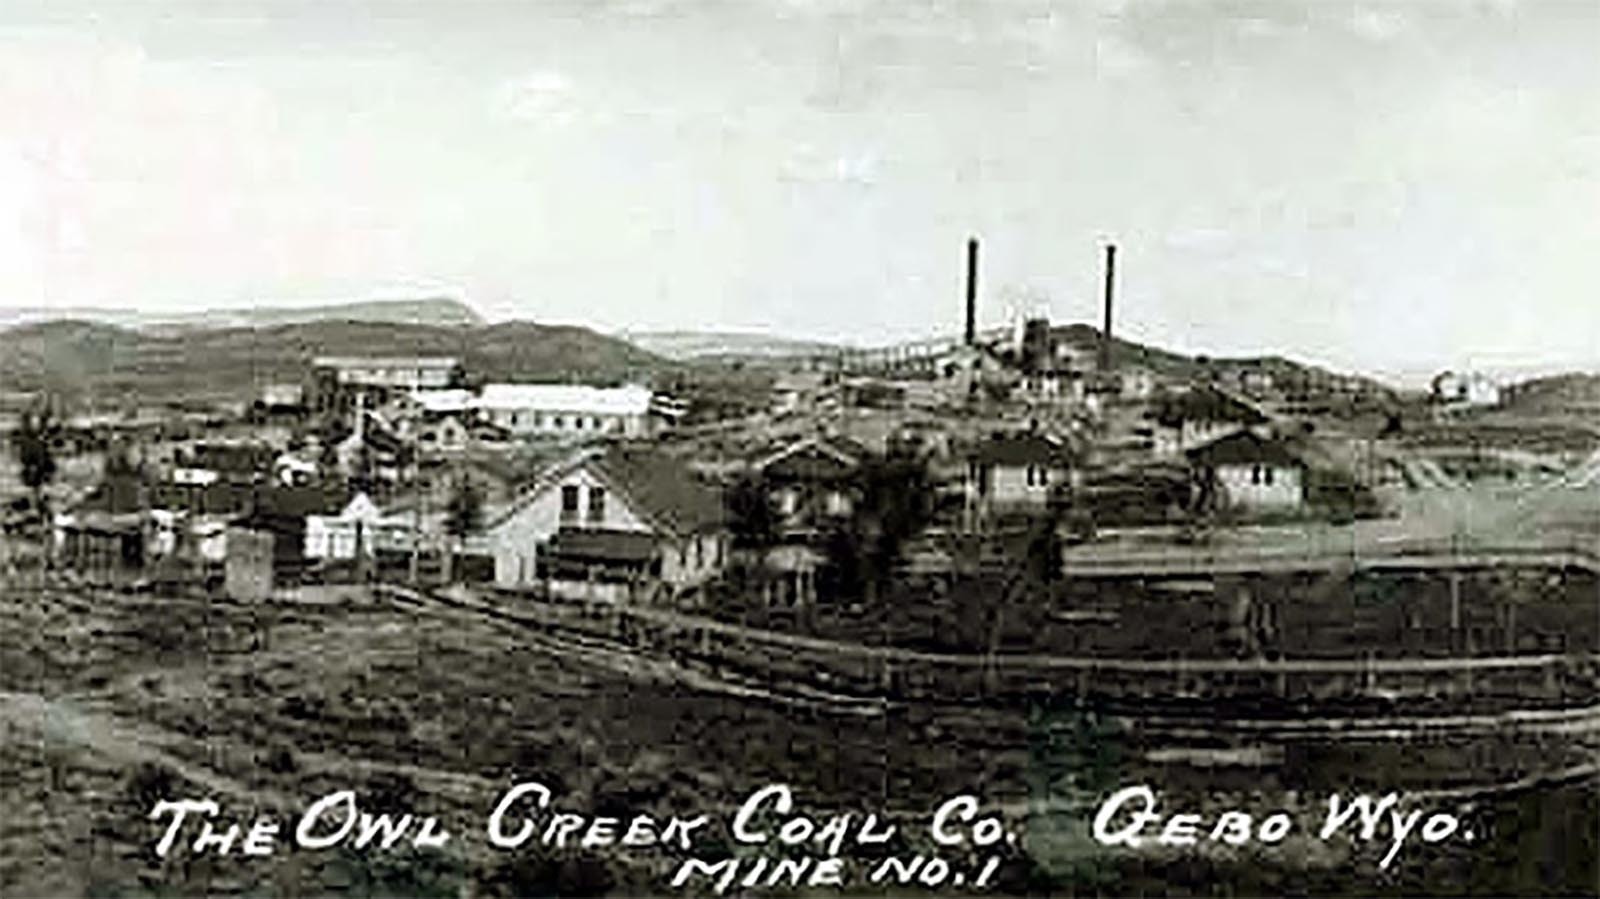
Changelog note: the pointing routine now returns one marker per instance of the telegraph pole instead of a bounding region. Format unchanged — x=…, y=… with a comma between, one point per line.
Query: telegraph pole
x=416, y=514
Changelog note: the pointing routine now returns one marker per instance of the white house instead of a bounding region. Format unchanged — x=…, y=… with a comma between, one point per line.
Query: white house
x=1015, y=472
x=449, y=435
x=617, y=524
x=1469, y=390
x=567, y=409
x=1247, y=471
x=338, y=536
x=1136, y=383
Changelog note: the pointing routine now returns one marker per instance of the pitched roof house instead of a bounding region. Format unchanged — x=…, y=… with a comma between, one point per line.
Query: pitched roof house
x=1246, y=470
x=812, y=479
x=615, y=523
x=1015, y=471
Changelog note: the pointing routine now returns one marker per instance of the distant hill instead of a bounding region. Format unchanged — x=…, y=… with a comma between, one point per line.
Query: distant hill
x=1573, y=393
x=438, y=312
x=1086, y=338
x=686, y=345
x=103, y=361
x=710, y=347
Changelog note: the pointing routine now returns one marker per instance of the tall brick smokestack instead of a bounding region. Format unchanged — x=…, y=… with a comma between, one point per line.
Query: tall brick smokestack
x=972, y=291
x=1105, y=332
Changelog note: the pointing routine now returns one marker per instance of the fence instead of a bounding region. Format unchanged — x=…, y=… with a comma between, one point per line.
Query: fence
x=860, y=670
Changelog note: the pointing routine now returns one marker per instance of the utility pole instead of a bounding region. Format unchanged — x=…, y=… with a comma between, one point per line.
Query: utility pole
x=416, y=514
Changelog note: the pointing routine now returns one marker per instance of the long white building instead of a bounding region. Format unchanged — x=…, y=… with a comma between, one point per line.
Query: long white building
x=567, y=409
x=407, y=373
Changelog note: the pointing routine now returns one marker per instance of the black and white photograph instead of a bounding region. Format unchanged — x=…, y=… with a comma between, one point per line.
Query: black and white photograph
x=799, y=448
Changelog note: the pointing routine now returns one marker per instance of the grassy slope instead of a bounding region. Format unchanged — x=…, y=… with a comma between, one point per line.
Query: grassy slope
x=75, y=357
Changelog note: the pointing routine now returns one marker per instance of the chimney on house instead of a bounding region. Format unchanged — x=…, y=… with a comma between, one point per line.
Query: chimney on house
x=1105, y=332
x=972, y=291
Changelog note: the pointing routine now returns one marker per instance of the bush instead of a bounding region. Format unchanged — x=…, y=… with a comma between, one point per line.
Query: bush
x=280, y=760
x=149, y=784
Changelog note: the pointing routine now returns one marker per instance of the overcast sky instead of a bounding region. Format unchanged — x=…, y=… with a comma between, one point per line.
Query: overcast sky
x=1378, y=186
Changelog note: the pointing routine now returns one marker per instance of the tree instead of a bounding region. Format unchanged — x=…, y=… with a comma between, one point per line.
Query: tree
x=751, y=517
x=464, y=512
x=895, y=504
x=841, y=575
x=35, y=447
x=463, y=515
x=1044, y=550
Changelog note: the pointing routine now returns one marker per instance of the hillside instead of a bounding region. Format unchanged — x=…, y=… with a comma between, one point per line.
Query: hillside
x=685, y=345
x=1573, y=393
x=102, y=361
x=437, y=312
x=710, y=347
x=1086, y=338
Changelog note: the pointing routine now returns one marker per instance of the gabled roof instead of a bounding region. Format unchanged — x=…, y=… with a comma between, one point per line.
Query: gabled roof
x=1027, y=448
x=661, y=488
x=658, y=487
x=822, y=456
x=1244, y=448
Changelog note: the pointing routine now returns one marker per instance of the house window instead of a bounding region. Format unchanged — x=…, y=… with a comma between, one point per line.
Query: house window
x=597, y=503
x=699, y=553
x=569, y=499
x=560, y=423
x=1255, y=474
x=1268, y=476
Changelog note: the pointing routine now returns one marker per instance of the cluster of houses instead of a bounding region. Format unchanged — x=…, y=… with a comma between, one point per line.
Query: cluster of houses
x=615, y=509
x=380, y=449
x=590, y=491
